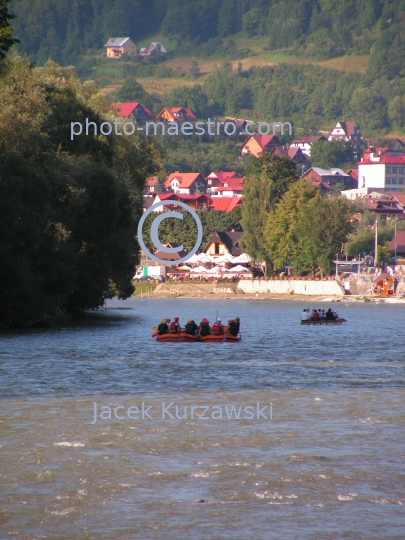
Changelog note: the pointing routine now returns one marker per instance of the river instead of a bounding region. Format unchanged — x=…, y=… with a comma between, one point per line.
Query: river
x=317, y=450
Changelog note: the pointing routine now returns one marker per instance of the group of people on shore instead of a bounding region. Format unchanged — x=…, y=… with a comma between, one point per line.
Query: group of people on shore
x=316, y=314
x=167, y=326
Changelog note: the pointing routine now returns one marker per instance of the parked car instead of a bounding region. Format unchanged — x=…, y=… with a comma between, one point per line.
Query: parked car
x=149, y=279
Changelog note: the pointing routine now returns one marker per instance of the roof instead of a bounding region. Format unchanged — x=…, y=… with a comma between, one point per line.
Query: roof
x=225, y=204
x=230, y=239
x=128, y=107
x=176, y=110
x=348, y=127
x=328, y=172
x=386, y=158
x=116, y=42
x=147, y=201
x=400, y=197
x=353, y=173
x=152, y=181
x=222, y=176
x=264, y=140
x=182, y=196
x=152, y=46
x=185, y=179
x=383, y=276
x=321, y=185
x=400, y=243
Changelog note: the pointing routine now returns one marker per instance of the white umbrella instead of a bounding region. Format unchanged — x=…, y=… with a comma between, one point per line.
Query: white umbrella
x=242, y=259
x=224, y=258
x=193, y=259
x=199, y=270
x=238, y=269
x=203, y=258
x=214, y=270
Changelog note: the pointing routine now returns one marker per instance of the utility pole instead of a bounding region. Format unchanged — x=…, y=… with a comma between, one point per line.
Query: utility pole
x=395, y=239
x=376, y=243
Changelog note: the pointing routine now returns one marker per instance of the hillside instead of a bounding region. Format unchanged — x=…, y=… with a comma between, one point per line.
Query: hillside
x=307, y=61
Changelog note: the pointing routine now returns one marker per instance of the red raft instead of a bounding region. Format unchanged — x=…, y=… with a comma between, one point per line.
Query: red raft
x=212, y=338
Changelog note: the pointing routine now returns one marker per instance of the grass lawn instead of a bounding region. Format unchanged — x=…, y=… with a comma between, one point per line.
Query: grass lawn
x=144, y=288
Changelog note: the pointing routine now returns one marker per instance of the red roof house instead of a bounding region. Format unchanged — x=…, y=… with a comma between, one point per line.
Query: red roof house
x=176, y=114
x=259, y=144
x=133, y=110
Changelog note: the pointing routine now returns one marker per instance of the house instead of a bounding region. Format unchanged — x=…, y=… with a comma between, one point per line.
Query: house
x=324, y=187
x=147, y=201
x=195, y=202
x=174, y=256
x=397, y=244
x=259, y=144
x=175, y=114
x=395, y=147
x=230, y=188
x=384, y=208
x=133, y=110
x=225, y=204
x=218, y=178
x=186, y=183
x=348, y=132
x=116, y=47
x=152, y=185
x=330, y=176
x=296, y=154
x=305, y=142
x=354, y=173
x=222, y=242
x=383, y=172
x=153, y=48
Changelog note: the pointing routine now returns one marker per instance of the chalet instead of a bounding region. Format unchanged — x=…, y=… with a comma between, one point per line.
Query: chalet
x=133, y=110
x=222, y=242
x=330, y=176
x=116, y=47
x=186, y=183
x=225, y=204
x=383, y=172
x=196, y=202
x=153, y=48
x=176, y=114
x=305, y=142
x=296, y=154
x=349, y=132
x=260, y=144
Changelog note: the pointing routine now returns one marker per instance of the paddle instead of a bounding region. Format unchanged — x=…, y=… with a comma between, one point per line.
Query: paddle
x=155, y=334
x=154, y=328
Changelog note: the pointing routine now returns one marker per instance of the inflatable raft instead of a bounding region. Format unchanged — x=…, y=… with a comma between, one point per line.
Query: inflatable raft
x=212, y=338
x=324, y=321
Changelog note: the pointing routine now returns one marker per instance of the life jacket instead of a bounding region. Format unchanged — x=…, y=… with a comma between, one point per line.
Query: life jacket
x=173, y=327
x=233, y=328
x=162, y=328
x=204, y=329
x=216, y=329
x=190, y=328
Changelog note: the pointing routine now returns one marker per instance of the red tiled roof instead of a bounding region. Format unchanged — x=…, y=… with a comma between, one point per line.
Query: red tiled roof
x=151, y=181
x=182, y=196
x=387, y=159
x=225, y=204
x=223, y=175
x=185, y=179
x=127, y=108
x=348, y=127
x=321, y=185
x=176, y=110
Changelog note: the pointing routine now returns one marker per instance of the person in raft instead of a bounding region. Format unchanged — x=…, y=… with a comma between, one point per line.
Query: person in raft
x=163, y=327
x=315, y=316
x=329, y=316
x=217, y=328
x=233, y=327
x=191, y=327
x=174, y=327
x=305, y=315
x=204, y=328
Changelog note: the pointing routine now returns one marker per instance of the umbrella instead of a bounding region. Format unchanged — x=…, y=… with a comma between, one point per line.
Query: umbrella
x=238, y=268
x=214, y=270
x=199, y=270
x=242, y=259
x=185, y=268
x=203, y=258
x=193, y=259
x=224, y=258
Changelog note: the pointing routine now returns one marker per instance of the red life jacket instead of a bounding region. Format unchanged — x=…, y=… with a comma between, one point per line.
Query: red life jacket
x=173, y=326
x=216, y=327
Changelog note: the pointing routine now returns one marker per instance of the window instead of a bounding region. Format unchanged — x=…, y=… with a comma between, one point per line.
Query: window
x=394, y=170
x=394, y=180
x=216, y=248
x=401, y=170
x=388, y=170
x=401, y=181
x=388, y=180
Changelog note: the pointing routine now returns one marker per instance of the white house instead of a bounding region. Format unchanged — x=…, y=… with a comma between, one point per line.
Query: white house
x=348, y=132
x=305, y=142
x=384, y=172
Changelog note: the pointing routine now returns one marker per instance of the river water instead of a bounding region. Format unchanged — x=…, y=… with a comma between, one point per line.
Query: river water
x=321, y=457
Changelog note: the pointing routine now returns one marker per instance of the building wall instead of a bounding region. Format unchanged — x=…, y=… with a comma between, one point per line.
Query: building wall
x=211, y=250
x=129, y=48
x=290, y=286
x=252, y=147
x=372, y=175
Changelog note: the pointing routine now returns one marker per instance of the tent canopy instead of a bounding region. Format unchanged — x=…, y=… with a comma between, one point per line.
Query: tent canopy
x=199, y=270
x=238, y=269
x=242, y=259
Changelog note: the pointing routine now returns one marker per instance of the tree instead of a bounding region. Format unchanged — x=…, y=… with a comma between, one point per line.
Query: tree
x=131, y=90
x=194, y=71
x=6, y=29
x=267, y=179
x=68, y=208
x=327, y=154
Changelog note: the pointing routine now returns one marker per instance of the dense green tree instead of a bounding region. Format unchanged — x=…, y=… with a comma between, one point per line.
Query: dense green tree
x=131, y=90
x=6, y=29
x=327, y=154
x=267, y=179
x=68, y=208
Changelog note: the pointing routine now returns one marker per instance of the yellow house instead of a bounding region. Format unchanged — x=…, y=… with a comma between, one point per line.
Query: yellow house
x=116, y=47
